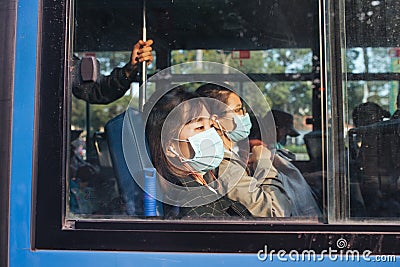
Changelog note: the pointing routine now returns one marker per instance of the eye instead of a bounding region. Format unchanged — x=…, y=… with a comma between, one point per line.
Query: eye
x=241, y=110
x=200, y=127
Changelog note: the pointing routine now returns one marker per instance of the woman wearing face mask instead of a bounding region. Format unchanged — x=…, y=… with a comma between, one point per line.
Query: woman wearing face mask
x=268, y=192
x=263, y=194
x=184, y=149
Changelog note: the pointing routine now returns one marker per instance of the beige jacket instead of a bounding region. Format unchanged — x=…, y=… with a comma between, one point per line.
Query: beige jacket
x=263, y=194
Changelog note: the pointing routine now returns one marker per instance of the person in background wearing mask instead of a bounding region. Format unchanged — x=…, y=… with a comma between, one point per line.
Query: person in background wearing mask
x=298, y=187
x=185, y=148
x=259, y=188
x=284, y=128
x=94, y=88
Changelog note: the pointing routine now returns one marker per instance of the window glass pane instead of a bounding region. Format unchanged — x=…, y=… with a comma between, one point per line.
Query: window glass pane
x=372, y=60
x=372, y=128
x=108, y=166
x=267, y=61
x=379, y=92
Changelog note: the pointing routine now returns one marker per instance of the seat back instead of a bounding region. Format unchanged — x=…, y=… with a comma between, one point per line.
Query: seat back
x=126, y=141
x=102, y=149
x=313, y=141
x=379, y=153
x=378, y=162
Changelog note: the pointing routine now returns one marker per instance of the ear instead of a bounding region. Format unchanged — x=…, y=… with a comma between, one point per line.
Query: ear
x=214, y=121
x=171, y=151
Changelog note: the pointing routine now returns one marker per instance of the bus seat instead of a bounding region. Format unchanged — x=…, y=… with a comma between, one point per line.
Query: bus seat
x=102, y=150
x=313, y=141
x=378, y=167
x=357, y=203
x=107, y=196
x=130, y=191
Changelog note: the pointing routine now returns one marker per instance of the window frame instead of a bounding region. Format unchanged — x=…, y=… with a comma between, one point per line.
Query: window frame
x=51, y=231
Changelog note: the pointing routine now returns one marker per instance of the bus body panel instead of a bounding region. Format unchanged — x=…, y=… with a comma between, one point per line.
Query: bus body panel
x=21, y=195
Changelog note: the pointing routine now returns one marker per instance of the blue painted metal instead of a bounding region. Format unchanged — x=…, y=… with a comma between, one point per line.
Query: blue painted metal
x=21, y=183
x=22, y=131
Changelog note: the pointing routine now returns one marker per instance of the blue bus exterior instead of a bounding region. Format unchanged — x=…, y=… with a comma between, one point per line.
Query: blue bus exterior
x=21, y=223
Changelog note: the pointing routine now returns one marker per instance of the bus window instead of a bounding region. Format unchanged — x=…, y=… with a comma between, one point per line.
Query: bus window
x=284, y=64
x=279, y=63
x=371, y=127
x=278, y=57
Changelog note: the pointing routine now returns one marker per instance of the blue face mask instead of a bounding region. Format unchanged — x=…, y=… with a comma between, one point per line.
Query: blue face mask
x=242, y=129
x=208, y=151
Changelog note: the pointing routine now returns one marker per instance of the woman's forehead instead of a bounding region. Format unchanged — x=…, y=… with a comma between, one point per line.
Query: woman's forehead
x=201, y=119
x=185, y=112
x=233, y=100
x=204, y=115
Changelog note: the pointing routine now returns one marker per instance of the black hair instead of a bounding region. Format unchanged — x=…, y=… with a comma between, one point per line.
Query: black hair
x=368, y=113
x=156, y=125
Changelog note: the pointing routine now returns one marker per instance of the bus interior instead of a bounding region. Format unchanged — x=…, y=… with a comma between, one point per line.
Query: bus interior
x=296, y=60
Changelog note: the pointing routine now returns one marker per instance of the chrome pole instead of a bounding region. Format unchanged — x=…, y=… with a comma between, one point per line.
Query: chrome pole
x=143, y=87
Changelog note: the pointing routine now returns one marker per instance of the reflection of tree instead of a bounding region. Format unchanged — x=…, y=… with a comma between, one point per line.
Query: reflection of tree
x=294, y=97
x=368, y=60
x=288, y=61
x=377, y=92
x=99, y=114
x=78, y=119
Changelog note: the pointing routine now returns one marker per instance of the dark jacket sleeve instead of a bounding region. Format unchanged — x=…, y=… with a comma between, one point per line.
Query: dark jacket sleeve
x=106, y=89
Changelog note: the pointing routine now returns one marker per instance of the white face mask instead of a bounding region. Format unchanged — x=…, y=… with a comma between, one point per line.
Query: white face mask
x=242, y=129
x=208, y=150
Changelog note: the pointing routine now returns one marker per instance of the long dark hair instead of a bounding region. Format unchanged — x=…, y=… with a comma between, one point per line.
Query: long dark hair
x=218, y=92
x=156, y=122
